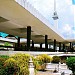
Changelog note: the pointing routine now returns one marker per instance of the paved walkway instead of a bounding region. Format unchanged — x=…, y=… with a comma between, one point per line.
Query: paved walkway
x=47, y=73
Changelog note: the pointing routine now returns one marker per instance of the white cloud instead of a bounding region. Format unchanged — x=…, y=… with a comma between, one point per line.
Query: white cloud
x=67, y=28
x=69, y=2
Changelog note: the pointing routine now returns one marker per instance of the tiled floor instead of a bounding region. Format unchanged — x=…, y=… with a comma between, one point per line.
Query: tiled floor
x=47, y=73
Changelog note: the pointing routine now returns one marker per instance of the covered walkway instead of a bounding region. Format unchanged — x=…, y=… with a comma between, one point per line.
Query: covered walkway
x=18, y=20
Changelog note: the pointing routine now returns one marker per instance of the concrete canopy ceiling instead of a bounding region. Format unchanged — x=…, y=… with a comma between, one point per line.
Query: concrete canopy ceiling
x=16, y=20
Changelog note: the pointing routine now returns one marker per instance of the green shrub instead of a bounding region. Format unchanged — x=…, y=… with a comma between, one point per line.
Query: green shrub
x=11, y=67
x=7, y=44
x=63, y=61
x=7, y=67
x=17, y=64
x=71, y=64
x=35, y=63
x=2, y=71
x=42, y=60
x=56, y=59
x=23, y=63
x=3, y=58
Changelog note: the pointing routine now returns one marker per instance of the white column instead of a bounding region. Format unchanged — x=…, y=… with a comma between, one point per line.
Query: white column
x=56, y=24
x=31, y=67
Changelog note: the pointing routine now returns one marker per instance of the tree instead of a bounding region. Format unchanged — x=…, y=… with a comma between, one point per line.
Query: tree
x=71, y=64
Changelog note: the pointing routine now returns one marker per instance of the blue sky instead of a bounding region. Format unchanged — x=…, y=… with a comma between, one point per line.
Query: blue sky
x=65, y=10
x=73, y=1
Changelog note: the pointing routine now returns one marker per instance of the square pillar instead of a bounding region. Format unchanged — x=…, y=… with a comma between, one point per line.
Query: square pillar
x=40, y=45
x=18, y=42
x=63, y=47
x=70, y=45
x=72, y=49
x=28, y=37
x=17, y=46
x=54, y=44
x=32, y=44
x=59, y=46
x=46, y=42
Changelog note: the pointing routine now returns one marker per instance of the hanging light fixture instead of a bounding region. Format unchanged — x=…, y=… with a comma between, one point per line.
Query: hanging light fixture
x=55, y=16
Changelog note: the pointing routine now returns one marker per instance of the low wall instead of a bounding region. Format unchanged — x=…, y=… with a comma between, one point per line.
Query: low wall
x=34, y=53
x=29, y=52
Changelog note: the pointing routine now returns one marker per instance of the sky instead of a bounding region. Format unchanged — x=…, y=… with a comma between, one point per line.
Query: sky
x=65, y=10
